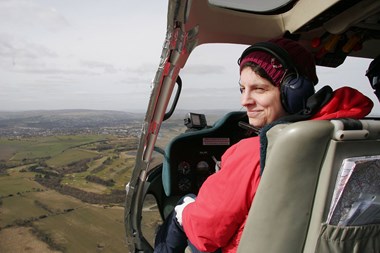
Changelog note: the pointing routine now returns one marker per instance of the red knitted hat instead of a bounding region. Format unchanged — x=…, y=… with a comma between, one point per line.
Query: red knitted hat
x=300, y=56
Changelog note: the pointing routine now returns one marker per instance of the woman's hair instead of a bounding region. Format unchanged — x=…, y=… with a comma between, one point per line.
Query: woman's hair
x=258, y=70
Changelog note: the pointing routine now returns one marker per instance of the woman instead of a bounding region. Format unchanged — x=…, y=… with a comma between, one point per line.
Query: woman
x=277, y=81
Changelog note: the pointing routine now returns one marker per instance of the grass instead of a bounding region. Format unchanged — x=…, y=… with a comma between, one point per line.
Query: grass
x=18, y=182
x=41, y=147
x=78, y=180
x=88, y=229
x=56, y=201
x=70, y=156
x=74, y=226
x=21, y=239
x=85, y=229
x=17, y=209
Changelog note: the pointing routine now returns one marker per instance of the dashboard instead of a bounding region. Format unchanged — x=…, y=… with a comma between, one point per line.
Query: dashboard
x=192, y=157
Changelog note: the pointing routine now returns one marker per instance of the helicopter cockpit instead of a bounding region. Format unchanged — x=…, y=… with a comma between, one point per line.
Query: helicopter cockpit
x=291, y=210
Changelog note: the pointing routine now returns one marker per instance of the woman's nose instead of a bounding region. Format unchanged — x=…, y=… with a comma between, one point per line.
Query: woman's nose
x=246, y=99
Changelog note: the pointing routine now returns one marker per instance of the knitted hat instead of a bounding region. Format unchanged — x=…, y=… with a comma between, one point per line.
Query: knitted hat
x=301, y=58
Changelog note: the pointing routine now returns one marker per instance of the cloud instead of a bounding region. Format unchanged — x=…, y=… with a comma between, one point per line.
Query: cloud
x=24, y=14
x=105, y=67
x=15, y=49
x=143, y=68
x=204, y=69
x=55, y=71
x=78, y=54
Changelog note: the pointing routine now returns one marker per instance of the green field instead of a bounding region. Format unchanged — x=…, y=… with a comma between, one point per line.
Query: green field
x=42, y=147
x=87, y=229
x=17, y=182
x=37, y=218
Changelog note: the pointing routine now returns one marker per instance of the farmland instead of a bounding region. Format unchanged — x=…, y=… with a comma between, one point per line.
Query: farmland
x=48, y=205
x=63, y=176
x=62, y=180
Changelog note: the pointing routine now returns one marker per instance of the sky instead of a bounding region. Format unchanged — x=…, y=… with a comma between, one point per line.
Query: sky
x=101, y=54
x=83, y=54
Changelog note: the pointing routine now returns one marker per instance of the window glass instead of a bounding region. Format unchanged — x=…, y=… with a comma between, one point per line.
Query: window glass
x=211, y=75
x=151, y=218
x=210, y=85
x=249, y=5
x=350, y=73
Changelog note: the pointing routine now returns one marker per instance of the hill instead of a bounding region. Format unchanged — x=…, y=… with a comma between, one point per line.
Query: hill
x=66, y=118
x=64, y=122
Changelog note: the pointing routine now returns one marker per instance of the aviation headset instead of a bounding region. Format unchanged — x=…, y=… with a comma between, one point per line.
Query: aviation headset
x=295, y=89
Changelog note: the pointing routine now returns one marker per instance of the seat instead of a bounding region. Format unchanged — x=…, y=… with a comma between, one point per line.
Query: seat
x=292, y=202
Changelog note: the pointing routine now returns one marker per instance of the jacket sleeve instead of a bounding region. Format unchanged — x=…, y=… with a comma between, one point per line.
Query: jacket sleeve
x=224, y=199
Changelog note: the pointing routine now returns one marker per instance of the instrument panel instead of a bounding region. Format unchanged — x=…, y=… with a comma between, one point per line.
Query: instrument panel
x=193, y=156
x=192, y=176
x=193, y=168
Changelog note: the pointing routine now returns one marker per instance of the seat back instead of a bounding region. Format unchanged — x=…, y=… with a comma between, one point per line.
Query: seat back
x=293, y=199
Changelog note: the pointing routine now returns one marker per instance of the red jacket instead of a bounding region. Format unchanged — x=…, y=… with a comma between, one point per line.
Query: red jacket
x=217, y=218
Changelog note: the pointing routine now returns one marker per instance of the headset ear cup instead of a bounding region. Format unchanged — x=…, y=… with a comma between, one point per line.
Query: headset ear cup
x=295, y=90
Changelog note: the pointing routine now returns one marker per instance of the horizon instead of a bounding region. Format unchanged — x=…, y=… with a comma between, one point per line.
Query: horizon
x=178, y=110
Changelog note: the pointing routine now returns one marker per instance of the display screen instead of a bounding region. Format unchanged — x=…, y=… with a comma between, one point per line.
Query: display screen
x=196, y=119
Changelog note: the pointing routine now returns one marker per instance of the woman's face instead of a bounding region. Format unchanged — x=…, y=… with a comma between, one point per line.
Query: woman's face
x=260, y=98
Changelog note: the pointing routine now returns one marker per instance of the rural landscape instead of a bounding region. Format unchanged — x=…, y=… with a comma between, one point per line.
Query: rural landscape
x=62, y=180
x=63, y=175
